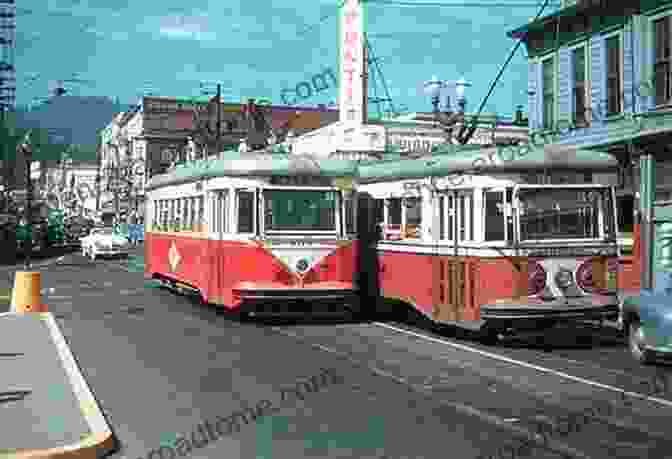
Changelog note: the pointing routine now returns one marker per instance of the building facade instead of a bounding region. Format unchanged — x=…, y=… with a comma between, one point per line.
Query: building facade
x=411, y=134
x=148, y=139
x=600, y=77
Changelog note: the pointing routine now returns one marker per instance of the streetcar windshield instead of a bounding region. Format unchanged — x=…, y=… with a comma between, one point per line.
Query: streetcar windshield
x=300, y=210
x=565, y=213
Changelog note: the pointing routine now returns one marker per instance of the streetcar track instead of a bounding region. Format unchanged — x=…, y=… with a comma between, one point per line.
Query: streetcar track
x=549, y=399
x=519, y=433
x=561, y=374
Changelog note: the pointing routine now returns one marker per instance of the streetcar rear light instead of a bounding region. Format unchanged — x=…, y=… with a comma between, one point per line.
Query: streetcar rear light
x=536, y=279
x=584, y=275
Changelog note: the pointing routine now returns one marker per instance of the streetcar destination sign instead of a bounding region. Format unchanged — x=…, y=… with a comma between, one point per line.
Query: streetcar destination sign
x=568, y=252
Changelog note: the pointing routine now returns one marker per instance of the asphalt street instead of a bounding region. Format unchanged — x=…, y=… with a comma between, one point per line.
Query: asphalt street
x=160, y=363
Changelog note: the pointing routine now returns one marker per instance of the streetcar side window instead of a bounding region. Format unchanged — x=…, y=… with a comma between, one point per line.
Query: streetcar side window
x=201, y=212
x=450, y=217
x=442, y=217
x=394, y=211
x=173, y=212
x=220, y=212
x=509, y=217
x=465, y=221
x=380, y=211
x=494, y=216
x=245, y=211
x=177, y=215
x=193, y=214
x=412, y=217
x=165, y=216
x=156, y=212
x=350, y=214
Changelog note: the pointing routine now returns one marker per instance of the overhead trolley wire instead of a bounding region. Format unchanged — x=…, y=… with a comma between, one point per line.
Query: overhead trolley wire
x=466, y=133
x=460, y=5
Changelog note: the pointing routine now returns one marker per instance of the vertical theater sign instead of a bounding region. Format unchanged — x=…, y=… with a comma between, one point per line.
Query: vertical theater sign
x=352, y=93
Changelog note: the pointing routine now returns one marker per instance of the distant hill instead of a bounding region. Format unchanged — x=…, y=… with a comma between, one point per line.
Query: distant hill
x=72, y=120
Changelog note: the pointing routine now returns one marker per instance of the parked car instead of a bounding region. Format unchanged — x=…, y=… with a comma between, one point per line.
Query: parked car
x=76, y=228
x=104, y=242
x=646, y=319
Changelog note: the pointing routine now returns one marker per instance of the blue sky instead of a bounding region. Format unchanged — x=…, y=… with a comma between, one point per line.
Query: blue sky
x=259, y=47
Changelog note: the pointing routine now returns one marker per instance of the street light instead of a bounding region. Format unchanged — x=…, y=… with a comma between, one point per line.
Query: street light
x=449, y=119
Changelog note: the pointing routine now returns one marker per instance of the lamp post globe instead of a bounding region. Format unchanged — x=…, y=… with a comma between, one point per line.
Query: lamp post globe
x=433, y=89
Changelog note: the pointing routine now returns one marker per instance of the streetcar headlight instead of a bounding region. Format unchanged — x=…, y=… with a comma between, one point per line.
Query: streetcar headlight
x=564, y=278
x=302, y=265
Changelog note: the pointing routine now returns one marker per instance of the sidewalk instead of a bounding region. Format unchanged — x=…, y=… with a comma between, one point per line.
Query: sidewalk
x=46, y=406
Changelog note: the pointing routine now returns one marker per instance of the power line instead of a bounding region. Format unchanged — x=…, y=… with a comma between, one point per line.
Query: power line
x=305, y=30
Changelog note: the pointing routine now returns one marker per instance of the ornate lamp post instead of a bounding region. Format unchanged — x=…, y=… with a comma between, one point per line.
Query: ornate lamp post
x=448, y=119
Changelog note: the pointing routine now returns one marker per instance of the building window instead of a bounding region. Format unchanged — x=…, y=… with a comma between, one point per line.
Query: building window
x=613, y=75
x=579, y=70
x=548, y=94
x=662, y=61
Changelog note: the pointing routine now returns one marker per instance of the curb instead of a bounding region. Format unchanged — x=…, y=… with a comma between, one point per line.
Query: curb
x=102, y=440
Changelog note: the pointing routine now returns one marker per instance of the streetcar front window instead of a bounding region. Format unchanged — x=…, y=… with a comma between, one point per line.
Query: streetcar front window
x=565, y=213
x=300, y=210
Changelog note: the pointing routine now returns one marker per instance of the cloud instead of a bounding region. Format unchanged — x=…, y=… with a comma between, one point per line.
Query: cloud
x=185, y=27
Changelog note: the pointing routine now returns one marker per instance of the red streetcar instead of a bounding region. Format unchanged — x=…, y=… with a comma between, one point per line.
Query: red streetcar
x=251, y=231
x=520, y=243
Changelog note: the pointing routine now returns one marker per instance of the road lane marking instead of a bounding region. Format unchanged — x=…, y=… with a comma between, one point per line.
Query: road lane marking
x=561, y=374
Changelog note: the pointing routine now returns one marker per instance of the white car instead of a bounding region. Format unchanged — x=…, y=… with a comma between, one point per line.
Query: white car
x=103, y=242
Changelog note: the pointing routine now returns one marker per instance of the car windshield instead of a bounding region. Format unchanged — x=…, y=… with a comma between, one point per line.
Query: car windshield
x=300, y=210
x=105, y=231
x=565, y=213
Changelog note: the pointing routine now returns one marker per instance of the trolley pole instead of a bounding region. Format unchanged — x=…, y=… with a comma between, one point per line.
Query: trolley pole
x=219, y=118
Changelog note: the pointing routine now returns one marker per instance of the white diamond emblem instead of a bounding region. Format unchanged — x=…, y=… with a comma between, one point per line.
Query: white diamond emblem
x=173, y=257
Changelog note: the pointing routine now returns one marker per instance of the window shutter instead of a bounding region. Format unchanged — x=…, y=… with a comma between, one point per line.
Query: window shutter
x=533, y=94
x=565, y=84
x=628, y=77
x=598, y=72
x=645, y=50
